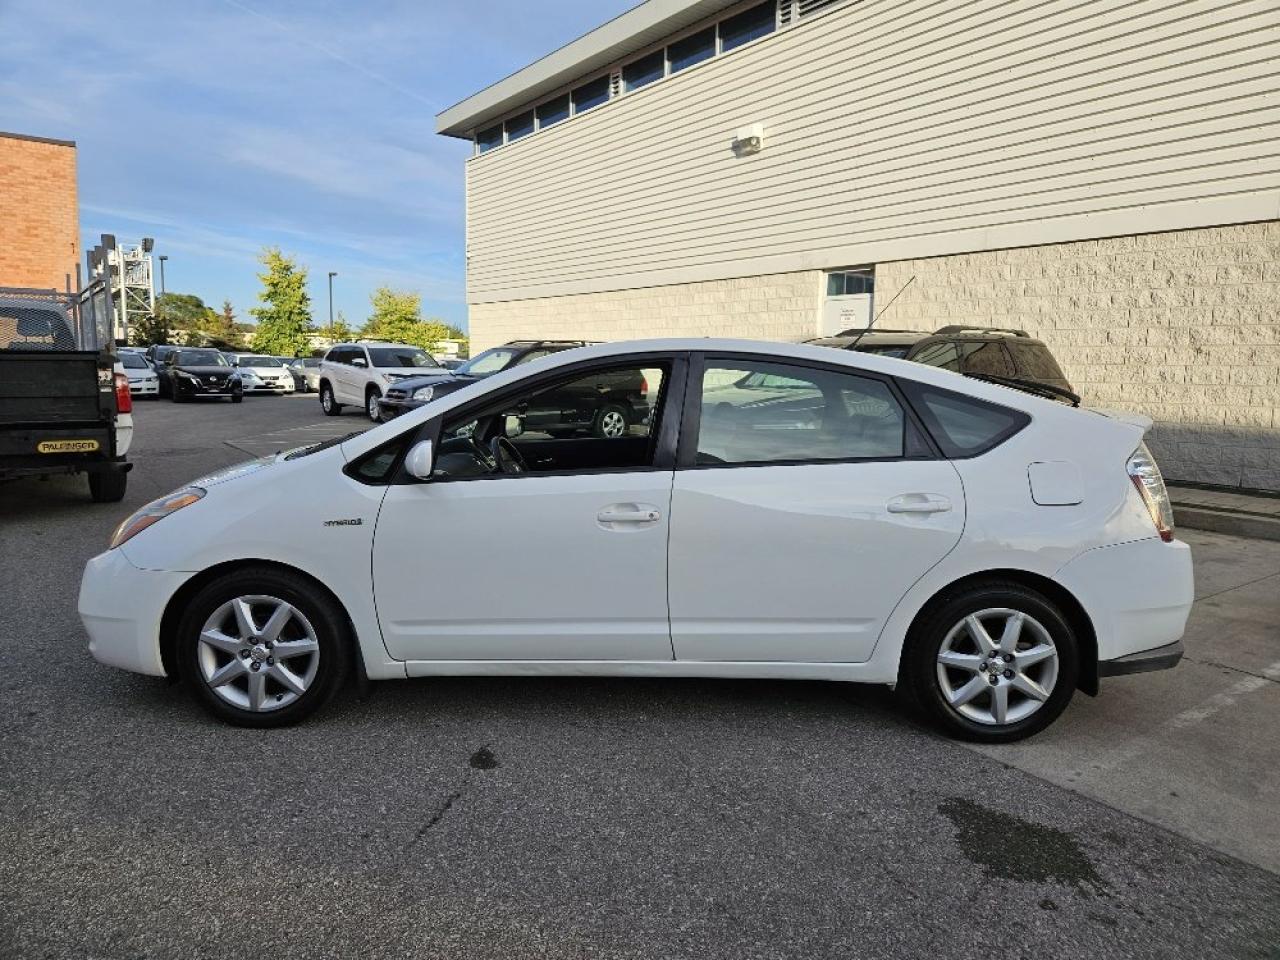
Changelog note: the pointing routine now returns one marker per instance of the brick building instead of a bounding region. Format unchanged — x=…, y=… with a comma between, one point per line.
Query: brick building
x=1096, y=174
x=39, y=212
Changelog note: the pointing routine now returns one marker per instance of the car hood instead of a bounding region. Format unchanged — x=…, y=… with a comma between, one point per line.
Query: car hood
x=429, y=373
x=446, y=383
x=204, y=371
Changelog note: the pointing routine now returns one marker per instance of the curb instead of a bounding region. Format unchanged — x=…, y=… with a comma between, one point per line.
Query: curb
x=1233, y=522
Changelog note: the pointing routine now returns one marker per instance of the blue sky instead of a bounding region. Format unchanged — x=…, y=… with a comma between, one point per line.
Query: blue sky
x=222, y=126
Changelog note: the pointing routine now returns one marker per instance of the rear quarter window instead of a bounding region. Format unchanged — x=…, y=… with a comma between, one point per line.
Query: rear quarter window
x=963, y=426
x=1035, y=362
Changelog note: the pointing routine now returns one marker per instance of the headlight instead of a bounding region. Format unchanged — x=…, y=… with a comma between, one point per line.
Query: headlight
x=424, y=393
x=189, y=376
x=154, y=511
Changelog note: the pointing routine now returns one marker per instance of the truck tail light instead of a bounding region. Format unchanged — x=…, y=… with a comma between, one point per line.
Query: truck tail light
x=644, y=385
x=1146, y=477
x=124, y=399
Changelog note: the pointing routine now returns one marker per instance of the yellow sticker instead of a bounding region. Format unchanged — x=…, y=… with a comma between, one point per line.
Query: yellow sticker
x=68, y=446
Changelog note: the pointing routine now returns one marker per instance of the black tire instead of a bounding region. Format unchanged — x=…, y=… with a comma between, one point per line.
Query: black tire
x=237, y=398
x=607, y=417
x=177, y=397
x=371, y=398
x=108, y=487
x=328, y=620
x=328, y=404
x=919, y=671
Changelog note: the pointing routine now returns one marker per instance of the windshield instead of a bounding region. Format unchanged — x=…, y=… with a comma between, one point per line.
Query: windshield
x=201, y=358
x=488, y=363
x=401, y=357
x=260, y=362
x=134, y=362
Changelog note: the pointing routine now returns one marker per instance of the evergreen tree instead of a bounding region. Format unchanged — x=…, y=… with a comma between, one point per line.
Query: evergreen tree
x=284, y=318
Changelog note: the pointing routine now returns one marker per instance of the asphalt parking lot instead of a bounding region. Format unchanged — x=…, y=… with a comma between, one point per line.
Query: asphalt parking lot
x=614, y=818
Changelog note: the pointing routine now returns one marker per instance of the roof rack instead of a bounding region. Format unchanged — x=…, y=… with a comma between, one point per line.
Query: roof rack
x=856, y=331
x=964, y=328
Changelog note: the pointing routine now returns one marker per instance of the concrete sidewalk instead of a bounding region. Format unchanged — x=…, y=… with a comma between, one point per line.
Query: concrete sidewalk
x=1255, y=515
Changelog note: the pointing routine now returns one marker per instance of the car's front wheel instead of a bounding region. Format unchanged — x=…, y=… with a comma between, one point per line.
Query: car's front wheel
x=328, y=404
x=371, y=405
x=262, y=647
x=995, y=662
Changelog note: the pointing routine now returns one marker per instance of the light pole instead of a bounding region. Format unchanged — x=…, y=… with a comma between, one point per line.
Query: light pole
x=332, y=274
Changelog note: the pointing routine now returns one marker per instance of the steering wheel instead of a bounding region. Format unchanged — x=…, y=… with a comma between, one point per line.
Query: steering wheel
x=508, y=456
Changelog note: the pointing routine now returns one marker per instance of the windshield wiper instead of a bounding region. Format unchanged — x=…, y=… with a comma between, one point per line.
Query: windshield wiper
x=322, y=445
x=1030, y=386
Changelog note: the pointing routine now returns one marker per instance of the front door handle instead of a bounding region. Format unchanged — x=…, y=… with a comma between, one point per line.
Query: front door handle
x=919, y=503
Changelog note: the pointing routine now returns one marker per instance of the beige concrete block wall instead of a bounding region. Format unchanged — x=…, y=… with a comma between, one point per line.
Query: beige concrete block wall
x=777, y=307
x=1182, y=326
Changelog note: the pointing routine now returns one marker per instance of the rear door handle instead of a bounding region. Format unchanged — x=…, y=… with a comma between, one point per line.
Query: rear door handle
x=627, y=516
x=919, y=503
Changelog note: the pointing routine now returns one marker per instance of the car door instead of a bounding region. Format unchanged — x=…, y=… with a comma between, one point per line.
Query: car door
x=807, y=502
x=567, y=561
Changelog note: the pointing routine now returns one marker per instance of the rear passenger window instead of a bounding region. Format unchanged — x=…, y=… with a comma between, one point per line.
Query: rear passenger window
x=963, y=426
x=988, y=357
x=778, y=413
x=1036, y=362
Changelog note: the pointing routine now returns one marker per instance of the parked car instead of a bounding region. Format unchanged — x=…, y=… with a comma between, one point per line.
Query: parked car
x=411, y=393
x=65, y=405
x=788, y=511
x=989, y=351
x=360, y=373
x=156, y=354
x=451, y=363
x=143, y=380
x=263, y=374
x=306, y=373
x=195, y=372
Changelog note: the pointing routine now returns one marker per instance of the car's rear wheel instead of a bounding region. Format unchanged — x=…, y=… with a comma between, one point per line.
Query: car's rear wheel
x=108, y=486
x=328, y=404
x=262, y=647
x=996, y=662
x=611, y=421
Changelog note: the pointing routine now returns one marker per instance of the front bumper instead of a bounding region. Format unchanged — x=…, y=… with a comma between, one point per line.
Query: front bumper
x=393, y=407
x=185, y=388
x=264, y=386
x=139, y=388
x=121, y=606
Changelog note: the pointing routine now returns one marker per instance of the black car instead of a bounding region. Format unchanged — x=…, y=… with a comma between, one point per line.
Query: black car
x=992, y=352
x=607, y=407
x=188, y=373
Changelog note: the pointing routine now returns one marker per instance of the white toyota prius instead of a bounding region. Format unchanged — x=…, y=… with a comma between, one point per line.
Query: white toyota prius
x=770, y=511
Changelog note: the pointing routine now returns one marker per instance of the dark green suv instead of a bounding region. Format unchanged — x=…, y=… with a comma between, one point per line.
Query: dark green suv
x=993, y=352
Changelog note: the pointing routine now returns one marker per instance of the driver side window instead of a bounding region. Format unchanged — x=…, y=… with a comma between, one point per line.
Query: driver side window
x=603, y=420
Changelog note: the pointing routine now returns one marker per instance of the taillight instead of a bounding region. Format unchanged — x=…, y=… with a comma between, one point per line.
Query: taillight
x=644, y=384
x=124, y=399
x=1146, y=477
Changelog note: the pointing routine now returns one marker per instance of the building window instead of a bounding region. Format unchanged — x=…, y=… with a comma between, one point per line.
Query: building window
x=845, y=284
x=750, y=24
x=692, y=49
x=520, y=126
x=489, y=139
x=591, y=94
x=553, y=111
x=644, y=71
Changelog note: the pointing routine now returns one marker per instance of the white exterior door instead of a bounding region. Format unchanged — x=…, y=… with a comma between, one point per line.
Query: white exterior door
x=801, y=563
x=525, y=568
x=801, y=523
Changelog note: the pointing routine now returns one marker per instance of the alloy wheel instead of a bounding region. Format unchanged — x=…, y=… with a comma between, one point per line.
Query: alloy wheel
x=613, y=423
x=258, y=653
x=997, y=666
x=374, y=414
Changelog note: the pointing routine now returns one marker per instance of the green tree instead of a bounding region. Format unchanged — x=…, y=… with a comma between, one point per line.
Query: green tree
x=285, y=315
x=153, y=328
x=397, y=317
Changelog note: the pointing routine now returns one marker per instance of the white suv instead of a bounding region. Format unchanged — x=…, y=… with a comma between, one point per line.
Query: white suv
x=359, y=373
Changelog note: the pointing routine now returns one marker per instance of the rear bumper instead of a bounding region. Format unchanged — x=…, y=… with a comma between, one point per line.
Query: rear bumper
x=1138, y=595
x=1161, y=658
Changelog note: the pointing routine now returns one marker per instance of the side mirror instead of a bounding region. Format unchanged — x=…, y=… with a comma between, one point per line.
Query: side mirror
x=421, y=460
x=512, y=426
x=358, y=362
